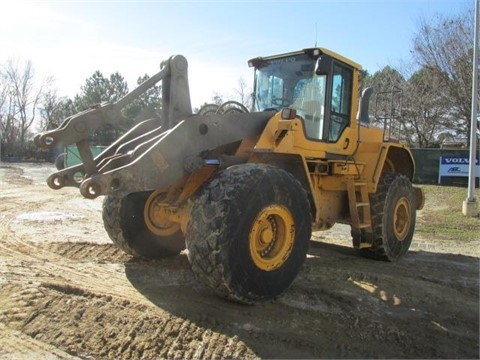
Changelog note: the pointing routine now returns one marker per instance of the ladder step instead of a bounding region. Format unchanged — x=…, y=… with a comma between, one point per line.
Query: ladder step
x=359, y=206
x=365, y=245
x=363, y=204
x=360, y=184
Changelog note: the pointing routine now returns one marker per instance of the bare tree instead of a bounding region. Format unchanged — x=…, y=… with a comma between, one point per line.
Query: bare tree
x=23, y=97
x=426, y=109
x=445, y=46
x=244, y=93
x=48, y=108
x=436, y=91
x=54, y=109
x=8, y=128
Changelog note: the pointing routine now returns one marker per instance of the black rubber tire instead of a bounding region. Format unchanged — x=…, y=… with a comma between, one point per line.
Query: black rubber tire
x=124, y=222
x=392, y=189
x=60, y=161
x=221, y=220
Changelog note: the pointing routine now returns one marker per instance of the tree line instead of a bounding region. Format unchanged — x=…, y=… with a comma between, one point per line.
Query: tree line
x=24, y=104
x=432, y=102
x=427, y=101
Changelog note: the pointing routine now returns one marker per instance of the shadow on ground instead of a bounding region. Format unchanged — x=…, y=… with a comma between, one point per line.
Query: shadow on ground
x=340, y=306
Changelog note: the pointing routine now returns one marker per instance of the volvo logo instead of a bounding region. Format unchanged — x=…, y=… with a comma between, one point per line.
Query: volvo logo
x=456, y=161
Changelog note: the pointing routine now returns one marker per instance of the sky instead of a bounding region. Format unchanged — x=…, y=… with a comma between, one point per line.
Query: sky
x=70, y=40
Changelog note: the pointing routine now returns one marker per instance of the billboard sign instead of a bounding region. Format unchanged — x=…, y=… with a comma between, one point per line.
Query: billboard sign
x=452, y=165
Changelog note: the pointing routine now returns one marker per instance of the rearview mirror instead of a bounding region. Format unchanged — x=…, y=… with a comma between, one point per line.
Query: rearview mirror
x=323, y=65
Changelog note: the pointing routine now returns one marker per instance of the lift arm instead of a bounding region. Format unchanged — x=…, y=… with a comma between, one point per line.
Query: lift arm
x=154, y=154
x=76, y=129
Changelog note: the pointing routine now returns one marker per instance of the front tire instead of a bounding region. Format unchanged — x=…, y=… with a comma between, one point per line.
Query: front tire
x=249, y=232
x=393, y=219
x=124, y=221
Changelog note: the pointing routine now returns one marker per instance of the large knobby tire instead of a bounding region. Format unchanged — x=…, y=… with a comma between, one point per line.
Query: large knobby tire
x=123, y=219
x=393, y=209
x=249, y=232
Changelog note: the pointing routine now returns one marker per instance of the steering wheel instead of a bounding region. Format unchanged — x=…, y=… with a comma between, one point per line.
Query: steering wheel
x=231, y=107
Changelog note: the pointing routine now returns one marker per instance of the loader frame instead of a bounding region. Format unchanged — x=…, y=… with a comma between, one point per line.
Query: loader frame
x=242, y=191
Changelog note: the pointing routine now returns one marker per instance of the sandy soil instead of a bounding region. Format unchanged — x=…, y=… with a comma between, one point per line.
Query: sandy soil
x=68, y=292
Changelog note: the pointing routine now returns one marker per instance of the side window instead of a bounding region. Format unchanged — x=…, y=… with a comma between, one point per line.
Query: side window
x=341, y=101
x=309, y=101
x=269, y=89
x=276, y=88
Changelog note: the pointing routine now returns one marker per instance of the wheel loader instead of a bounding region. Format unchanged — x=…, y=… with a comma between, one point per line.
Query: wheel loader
x=243, y=190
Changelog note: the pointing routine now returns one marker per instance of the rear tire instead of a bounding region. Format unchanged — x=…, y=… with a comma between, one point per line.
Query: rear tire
x=393, y=219
x=124, y=221
x=249, y=232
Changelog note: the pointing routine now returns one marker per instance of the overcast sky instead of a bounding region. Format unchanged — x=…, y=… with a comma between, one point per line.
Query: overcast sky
x=70, y=40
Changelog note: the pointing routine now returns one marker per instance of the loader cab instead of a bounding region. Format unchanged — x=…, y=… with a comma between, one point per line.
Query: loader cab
x=315, y=83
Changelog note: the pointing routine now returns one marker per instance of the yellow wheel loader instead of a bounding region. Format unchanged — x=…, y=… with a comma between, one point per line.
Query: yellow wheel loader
x=243, y=191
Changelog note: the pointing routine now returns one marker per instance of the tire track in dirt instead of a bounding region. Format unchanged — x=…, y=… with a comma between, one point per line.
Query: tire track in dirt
x=60, y=314
x=99, y=272
x=15, y=176
x=102, y=278
x=86, y=252
x=16, y=345
x=91, y=300
x=58, y=311
x=98, y=267
x=59, y=290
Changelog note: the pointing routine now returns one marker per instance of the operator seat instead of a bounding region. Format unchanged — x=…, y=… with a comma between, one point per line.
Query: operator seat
x=313, y=118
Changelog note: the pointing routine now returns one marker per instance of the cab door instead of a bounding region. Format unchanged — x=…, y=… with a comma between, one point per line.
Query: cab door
x=340, y=108
x=339, y=132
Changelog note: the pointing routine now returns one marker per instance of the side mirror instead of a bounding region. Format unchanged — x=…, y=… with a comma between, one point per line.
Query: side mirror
x=323, y=65
x=363, y=105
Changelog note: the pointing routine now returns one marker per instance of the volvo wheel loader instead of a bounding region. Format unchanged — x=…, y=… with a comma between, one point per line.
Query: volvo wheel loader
x=243, y=191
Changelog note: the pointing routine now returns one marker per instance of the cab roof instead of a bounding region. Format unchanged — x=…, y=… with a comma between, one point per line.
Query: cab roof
x=314, y=52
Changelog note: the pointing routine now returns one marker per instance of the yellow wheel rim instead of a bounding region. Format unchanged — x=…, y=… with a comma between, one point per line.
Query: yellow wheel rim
x=402, y=219
x=156, y=217
x=271, y=237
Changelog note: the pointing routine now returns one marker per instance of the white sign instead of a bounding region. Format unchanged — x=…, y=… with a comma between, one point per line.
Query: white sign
x=452, y=165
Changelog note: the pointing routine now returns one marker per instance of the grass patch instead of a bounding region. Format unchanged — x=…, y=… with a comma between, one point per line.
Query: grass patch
x=442, y=215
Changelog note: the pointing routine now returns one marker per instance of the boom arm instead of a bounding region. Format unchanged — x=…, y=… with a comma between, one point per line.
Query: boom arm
x=76, y=129
x=152, y=155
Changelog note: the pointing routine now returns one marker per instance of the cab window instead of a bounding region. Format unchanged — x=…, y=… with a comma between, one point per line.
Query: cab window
x=309, y=95
x=341, y=101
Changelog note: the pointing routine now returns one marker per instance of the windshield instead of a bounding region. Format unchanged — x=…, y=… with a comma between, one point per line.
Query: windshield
x=291, y=82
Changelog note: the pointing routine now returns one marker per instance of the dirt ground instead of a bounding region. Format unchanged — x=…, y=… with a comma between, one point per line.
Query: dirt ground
x=68, y=292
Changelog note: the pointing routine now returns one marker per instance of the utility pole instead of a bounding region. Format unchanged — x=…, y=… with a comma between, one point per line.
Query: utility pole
x=470, y=204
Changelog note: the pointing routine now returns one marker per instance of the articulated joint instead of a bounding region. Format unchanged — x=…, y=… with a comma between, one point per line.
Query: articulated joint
x=164, y=219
